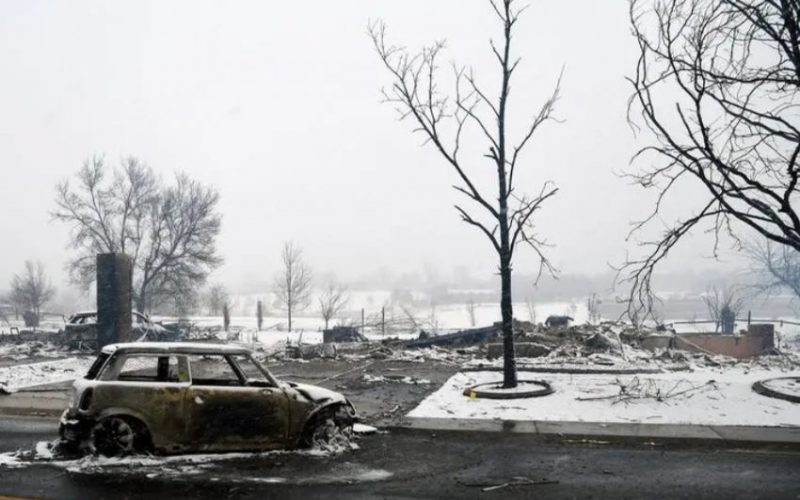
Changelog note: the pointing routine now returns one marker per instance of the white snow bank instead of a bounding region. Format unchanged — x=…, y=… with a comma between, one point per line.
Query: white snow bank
x=406, y=379
x=48, y=372
x=364, y=429
x=687, y=398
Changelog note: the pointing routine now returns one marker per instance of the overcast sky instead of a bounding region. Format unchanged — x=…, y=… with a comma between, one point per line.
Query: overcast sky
x=277, y=104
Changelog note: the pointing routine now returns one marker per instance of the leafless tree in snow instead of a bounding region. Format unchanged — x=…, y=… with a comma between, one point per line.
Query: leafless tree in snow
x=529, y=304
x=169, y=231
x=593, y=308
x=332, y=301
x=471, y=311
x=416, y=92
x=216, y=297
x=775, y=268
x=716, y=85
x=292, y=285
x=32, y=289
x=722, y=302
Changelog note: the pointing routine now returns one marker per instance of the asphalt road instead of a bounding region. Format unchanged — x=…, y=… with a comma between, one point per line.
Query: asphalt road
x=415, y=464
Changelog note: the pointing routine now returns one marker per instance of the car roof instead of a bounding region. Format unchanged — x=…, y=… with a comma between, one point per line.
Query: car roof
x=84, y=313
x=176, y=348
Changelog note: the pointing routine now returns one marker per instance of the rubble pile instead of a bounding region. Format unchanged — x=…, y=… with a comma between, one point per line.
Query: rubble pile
x=613, y=345
x=21, y=351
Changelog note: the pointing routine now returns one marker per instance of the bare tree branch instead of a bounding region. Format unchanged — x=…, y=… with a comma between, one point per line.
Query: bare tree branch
x=716, y=84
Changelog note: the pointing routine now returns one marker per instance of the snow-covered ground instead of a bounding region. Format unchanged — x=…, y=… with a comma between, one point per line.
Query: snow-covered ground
x=48, y=372
x=25, y=350
x=701, y=397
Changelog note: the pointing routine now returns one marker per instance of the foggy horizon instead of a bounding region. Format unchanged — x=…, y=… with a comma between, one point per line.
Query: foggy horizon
x=285, y=120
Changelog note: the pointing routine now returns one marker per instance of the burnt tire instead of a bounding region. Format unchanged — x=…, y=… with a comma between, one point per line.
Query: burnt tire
x=117, y=436
x=325, y=425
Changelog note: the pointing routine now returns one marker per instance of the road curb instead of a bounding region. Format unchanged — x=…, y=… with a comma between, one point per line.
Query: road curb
x=714, y=435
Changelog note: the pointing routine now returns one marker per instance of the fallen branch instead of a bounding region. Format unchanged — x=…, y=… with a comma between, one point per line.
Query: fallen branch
x=636, y=390
x=518, y=481
x=348, y=371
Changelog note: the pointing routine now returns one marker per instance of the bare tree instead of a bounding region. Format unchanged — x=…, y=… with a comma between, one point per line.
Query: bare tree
x=723, y=306
x=716, y=84
x=531, y=310
x=392, y=321
x=774, y=267
x=471, y=311
x=216, y=297
x=593, y=308
x=169, y=231
x=442, y=120
x=226, y=317
x=31, y=290
x=332, y=301
x=292, y=285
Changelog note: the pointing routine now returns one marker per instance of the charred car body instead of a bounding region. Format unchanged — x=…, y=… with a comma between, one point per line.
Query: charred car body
x=80, y=330
x=190, y=397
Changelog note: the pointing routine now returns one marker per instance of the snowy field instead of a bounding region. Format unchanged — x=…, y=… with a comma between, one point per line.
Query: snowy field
x=702, y=397
x=48, y=372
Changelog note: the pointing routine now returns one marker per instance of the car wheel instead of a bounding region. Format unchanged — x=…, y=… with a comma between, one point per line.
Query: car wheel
x=324, y=427
x=118, y=436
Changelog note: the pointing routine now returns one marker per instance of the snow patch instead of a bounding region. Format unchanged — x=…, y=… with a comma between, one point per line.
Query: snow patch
x=48, y=372
x=406, y=379
x=703, y=397
x=364, y=429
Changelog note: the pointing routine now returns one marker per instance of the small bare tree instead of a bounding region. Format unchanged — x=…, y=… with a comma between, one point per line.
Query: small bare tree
x=332, y=301
x=593, y=308
x=31, y=290
x=216, y=297
x=471, y=311
x=723, y=305
x=169, y=231
x=716, y=84
x=441, y=120
x=531, y=310
x=292, y=285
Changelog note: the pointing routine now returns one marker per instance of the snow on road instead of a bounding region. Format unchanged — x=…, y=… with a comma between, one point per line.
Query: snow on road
x=48, y=372
x=702, y=397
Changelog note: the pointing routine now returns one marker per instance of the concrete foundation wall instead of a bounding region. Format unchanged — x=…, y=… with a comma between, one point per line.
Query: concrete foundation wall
x=521, y=349
x=735, y=346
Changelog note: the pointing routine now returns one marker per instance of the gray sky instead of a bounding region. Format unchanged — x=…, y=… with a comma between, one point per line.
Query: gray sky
x=278, y=105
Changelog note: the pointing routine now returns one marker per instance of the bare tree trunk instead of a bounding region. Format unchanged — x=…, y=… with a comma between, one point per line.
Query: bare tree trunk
x=141, y=299
x=507, y=312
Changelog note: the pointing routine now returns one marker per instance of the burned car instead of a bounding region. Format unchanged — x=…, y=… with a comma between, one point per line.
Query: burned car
x=80, y=330
x=193, y=397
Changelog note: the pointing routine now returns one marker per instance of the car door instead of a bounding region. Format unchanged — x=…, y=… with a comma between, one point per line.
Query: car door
x=226, y=412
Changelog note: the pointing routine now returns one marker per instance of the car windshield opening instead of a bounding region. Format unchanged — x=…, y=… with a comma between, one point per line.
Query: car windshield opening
x=96, y=366
x=253, y=373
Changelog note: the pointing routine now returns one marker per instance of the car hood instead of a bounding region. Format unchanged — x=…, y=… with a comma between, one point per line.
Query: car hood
x=318, y=394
